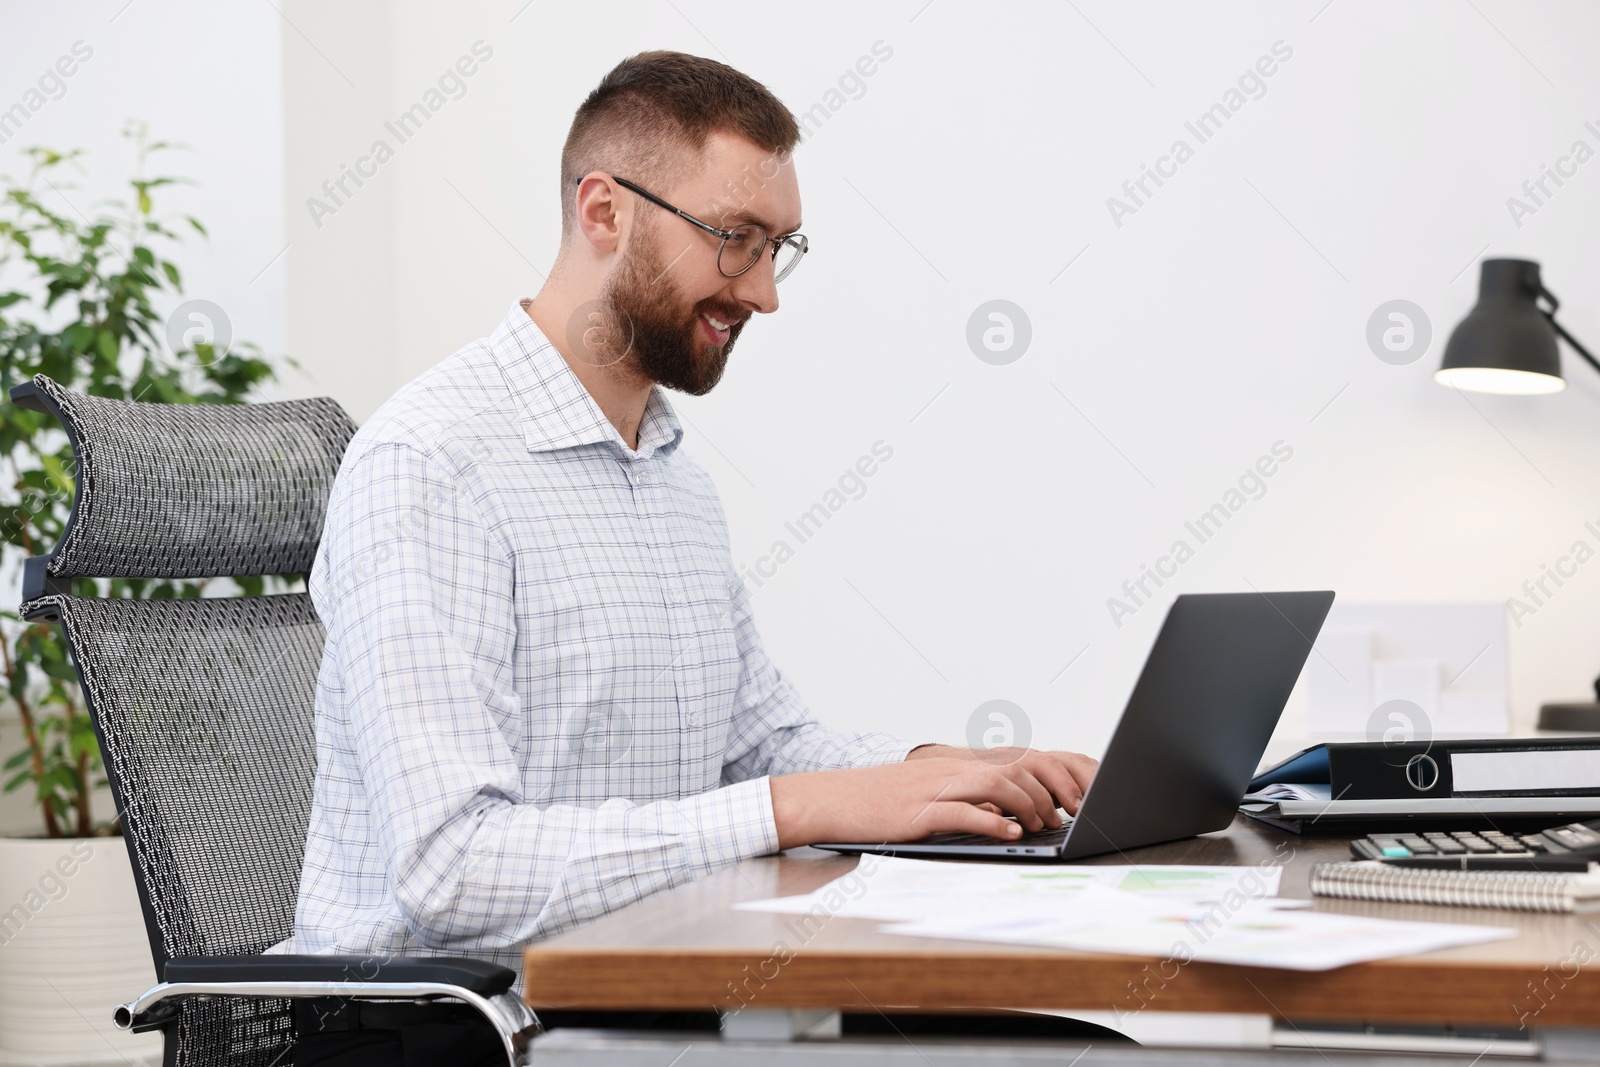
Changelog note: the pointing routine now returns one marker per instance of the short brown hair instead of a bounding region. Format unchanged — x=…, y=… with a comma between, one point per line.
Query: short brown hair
x=655, y=110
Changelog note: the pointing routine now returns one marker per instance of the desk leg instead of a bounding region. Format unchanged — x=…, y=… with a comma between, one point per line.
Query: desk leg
x=1571, y=1045
x=755, y=1024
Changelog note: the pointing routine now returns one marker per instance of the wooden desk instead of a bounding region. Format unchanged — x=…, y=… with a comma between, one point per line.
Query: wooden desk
x=687, y=948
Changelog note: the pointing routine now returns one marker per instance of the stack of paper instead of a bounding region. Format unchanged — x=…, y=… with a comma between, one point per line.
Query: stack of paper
x=1215, y=914
x=1276, y=791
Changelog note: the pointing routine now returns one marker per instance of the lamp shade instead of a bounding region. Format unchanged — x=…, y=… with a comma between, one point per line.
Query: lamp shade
x=1505, y=344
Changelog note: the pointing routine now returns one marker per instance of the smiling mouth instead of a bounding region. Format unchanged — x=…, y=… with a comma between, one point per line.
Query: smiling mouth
x=717, y=331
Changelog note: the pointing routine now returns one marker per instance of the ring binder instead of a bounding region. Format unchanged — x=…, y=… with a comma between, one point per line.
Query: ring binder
x=1443, y=767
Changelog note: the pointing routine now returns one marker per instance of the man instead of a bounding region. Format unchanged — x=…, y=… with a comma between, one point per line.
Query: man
x=543, y=695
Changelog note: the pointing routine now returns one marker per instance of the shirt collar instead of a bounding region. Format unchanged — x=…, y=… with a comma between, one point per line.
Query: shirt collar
x=557, y=411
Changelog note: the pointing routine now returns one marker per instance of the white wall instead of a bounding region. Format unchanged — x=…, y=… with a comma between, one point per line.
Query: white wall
x=206, y=75
x=1227, y=314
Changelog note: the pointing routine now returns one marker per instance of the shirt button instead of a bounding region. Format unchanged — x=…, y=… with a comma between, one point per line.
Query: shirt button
x=693, y=718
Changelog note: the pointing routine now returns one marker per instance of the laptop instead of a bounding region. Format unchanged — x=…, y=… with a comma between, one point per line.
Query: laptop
x=1189, y=741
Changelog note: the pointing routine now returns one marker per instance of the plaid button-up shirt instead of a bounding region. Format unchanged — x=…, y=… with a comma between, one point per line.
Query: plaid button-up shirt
x=542, y=695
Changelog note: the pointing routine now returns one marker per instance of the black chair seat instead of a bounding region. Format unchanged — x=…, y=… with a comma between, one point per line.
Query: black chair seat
x=475, y=976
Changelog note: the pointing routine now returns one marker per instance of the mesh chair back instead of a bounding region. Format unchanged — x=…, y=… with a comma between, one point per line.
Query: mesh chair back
x=192, y=490
x=204, y=713
x=203, y=708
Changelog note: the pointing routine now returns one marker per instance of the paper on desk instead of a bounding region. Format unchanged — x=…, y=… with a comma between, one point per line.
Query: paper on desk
x=889, y=888
x=1277, y=791
x=1254, y=934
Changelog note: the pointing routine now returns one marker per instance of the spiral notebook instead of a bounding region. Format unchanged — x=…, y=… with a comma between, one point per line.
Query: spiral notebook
x=1513, y=890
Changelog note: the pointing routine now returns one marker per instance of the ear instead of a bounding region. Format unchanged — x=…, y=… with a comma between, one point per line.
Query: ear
x=600, y=217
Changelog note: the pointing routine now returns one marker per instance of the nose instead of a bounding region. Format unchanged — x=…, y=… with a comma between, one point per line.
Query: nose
x=755, y=288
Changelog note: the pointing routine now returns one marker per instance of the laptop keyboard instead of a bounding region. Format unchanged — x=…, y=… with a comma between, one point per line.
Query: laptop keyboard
x=1047, y=838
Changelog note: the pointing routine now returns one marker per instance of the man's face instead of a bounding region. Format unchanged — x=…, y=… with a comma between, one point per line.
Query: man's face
x=666, y=293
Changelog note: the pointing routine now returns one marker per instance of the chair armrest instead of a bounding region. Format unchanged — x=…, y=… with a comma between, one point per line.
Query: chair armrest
x=475, y=976
x=485, y=986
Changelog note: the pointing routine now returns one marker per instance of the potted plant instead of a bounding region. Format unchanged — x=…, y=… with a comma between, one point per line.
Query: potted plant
x=79, y=288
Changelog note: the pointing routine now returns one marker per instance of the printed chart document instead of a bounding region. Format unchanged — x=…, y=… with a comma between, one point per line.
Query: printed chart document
x=1257, y=934
x=1215, y=914
x=888, y=888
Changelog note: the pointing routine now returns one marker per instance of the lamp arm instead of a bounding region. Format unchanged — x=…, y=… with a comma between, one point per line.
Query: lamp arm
x=1571, y=340
x=1550, y=316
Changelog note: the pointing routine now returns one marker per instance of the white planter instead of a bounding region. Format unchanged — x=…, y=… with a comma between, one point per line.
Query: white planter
x=72, y=947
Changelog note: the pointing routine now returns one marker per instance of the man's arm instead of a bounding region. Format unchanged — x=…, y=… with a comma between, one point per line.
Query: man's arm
x=773, y=730
x=829, y=786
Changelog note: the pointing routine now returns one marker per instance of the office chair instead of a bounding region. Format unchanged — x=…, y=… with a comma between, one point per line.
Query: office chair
x=203, y=711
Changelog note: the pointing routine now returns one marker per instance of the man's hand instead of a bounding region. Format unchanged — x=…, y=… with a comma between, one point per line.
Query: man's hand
x=1066, y=774
x=930, y=793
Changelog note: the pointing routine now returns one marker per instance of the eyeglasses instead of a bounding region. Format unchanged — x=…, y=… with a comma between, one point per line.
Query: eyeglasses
x=741, y=246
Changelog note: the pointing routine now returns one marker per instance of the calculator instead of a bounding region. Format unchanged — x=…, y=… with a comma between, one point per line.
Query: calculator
x=1573, y=845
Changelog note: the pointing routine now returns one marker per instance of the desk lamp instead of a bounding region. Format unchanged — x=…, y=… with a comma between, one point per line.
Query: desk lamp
x=1507, y=344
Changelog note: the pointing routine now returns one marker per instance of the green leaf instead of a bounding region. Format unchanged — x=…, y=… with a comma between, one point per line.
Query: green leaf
x=59, y=480
x=83, y=744
x=76, y=303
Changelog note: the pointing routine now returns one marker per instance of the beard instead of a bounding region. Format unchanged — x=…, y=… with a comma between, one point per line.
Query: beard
x=652, y=335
